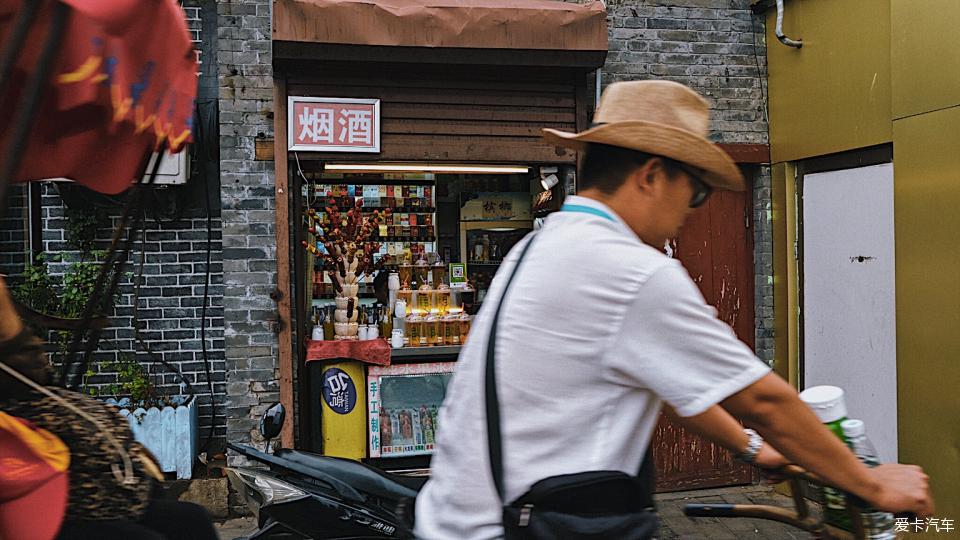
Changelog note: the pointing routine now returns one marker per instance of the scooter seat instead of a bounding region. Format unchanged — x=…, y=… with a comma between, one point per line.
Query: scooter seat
x=361, y=477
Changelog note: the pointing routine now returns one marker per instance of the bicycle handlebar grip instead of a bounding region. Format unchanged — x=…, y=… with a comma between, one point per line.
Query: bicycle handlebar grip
x=709, y=510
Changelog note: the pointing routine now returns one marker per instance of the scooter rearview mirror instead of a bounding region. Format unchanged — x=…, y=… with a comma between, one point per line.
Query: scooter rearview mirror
x=272, y=421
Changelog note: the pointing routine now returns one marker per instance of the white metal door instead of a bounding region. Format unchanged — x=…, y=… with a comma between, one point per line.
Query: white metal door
x=849, y=311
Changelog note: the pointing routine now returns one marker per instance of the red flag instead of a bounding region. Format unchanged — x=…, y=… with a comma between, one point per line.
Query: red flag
x=125, y=80
x=33, y=480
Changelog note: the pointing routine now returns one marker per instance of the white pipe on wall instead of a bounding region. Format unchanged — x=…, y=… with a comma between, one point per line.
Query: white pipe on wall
x=779, y=31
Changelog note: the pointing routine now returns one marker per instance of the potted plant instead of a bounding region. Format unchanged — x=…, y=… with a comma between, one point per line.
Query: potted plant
x=168, y=426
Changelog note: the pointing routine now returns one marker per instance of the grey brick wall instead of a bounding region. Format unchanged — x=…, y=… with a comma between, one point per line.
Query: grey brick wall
x=716, y=47
x=248, y=210
x=168, y=308
x=13, y=231
x=763, y=264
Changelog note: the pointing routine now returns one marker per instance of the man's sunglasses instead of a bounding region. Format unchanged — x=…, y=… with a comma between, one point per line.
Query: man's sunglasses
x=701, y=189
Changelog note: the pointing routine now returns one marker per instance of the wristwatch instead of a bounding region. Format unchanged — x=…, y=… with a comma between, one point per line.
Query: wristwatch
x=749, y=455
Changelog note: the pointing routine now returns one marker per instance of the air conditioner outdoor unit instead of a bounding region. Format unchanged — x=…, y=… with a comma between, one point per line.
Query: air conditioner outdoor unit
x=174, y=169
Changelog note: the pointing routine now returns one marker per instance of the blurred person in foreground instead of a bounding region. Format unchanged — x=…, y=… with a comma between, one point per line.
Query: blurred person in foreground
x=601, y=330
x=112, y=478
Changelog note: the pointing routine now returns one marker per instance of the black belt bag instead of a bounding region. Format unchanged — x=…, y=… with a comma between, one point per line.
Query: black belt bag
x=586, y=505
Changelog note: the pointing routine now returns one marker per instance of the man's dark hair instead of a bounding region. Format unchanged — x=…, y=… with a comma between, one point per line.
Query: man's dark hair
x=606, y=167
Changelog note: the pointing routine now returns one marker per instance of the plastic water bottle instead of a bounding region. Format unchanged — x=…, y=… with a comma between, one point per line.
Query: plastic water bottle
x=828, y=403
x=876, y=524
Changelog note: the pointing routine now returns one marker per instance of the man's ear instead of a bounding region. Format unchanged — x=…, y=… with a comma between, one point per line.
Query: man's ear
x=643, y=177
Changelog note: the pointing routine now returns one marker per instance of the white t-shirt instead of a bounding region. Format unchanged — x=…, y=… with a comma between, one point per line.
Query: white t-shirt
x=597, y=329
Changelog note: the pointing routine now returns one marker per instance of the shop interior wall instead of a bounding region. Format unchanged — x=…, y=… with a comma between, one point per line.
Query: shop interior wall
x=926, y=96
x=833, y=94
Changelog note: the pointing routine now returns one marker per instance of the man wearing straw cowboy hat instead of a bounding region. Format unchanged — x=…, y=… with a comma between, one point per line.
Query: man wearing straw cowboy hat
x=601, y=329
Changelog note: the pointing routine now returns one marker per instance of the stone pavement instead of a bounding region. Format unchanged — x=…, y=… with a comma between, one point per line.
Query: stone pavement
x=236, y=528
x=674, y=525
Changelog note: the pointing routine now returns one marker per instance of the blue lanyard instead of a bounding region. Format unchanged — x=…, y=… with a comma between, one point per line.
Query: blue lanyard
x=587, y=210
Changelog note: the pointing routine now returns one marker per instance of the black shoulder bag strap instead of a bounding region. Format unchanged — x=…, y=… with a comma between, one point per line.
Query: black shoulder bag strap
x=494, y=440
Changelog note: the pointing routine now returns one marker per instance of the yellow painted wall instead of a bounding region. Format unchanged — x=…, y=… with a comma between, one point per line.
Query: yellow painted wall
x=785, y=287
x=870, y=72
x=925, y=62
x=926, y=160
x=924, y=58
x=834, y=93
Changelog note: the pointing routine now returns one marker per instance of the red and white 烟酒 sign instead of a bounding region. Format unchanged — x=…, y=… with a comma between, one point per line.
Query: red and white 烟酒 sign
x=333, y=124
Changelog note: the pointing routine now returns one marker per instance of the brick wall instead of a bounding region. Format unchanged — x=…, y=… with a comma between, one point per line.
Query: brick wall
x=248, y=211
x=763, y=264
x=169, y=303
x=716, y=47
x=13, y=231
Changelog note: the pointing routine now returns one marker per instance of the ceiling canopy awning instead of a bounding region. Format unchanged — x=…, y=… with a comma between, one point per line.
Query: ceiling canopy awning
x=541, y=25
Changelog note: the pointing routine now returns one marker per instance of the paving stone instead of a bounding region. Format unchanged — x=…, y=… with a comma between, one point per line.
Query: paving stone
x=675, y=525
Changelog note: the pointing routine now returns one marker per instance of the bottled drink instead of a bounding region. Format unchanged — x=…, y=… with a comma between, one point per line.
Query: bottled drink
x=828, y=404
x=431, y=328
x=328, y=327
x=415, y=330
x=877, y=525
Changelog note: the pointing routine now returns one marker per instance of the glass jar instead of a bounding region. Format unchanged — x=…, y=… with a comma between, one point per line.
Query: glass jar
x=421, y=271
x=464, y=320
x=415, y=331
x=406, y=296
x=406, y=276
x=442, y=299
x=431, y=329
x=451, y=330
x=424, y=299
x=393, y=281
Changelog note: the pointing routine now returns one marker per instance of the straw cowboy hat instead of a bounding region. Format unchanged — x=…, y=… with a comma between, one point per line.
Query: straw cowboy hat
x=661, y=118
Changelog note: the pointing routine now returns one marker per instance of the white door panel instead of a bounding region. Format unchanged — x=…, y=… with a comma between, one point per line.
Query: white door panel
x=849, y=311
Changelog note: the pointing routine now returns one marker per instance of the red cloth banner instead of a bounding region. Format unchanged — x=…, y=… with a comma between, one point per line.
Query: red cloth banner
x=372, y=351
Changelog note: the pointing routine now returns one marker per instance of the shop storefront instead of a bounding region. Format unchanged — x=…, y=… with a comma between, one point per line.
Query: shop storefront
x=411, y=146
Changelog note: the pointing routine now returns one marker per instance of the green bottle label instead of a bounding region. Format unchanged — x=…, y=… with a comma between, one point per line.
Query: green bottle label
x=835, y=502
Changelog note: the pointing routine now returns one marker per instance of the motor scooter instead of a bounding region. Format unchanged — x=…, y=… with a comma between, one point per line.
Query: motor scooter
x=305, y=496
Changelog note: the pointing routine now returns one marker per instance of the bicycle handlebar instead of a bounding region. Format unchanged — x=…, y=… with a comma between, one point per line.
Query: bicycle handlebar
x=800, y=517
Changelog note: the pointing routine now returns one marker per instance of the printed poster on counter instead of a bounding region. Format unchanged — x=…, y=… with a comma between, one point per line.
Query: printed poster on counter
x=404, y=401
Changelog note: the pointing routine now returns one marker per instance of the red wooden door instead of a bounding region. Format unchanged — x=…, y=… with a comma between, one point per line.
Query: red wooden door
x=716, y=247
